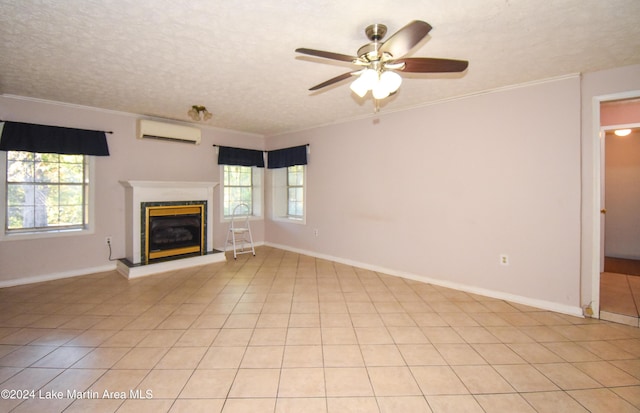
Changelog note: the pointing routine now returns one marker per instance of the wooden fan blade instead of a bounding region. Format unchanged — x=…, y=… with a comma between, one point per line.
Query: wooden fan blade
x=332, y=81
x=406, y=38
x=327, y=55
x=431, y=65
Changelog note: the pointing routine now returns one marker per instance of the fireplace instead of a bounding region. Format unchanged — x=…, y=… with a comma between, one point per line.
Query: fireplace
x=176, y=206
x=173, y=229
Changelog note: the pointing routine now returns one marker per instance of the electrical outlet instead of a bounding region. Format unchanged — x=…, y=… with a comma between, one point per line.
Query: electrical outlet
x=315, y=232
x=504, y=259
x=107, y=240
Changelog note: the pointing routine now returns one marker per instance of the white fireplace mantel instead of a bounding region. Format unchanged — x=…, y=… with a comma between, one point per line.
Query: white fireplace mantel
x=168, y=184
x=137, y=192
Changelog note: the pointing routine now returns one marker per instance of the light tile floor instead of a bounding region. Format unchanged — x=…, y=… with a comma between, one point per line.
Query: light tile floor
x=620, y=291
x=282, y=332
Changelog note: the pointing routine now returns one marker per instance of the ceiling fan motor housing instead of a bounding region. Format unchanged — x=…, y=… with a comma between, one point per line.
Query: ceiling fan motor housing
x=375, y=33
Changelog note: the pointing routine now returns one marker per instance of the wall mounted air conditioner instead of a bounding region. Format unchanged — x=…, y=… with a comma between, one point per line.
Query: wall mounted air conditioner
x=150, y=129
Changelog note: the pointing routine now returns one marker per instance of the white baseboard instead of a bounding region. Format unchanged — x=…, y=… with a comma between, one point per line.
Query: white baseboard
x=531, y=302
x=56, y=276
x=116, y=265
x=127, y=272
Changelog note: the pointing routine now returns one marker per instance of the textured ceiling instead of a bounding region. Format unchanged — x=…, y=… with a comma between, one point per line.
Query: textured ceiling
x=159, y=57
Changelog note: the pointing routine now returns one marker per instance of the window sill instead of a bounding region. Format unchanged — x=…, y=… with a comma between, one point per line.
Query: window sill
x=251, y=218
x=22, y=236
x=292, y=220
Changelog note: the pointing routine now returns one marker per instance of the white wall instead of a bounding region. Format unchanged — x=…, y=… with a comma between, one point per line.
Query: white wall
x=131, y=159
x=439, y=192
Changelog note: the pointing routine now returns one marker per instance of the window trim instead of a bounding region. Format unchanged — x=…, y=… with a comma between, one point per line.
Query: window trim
x=280, y=196
x=52, y=233
x=257, y=178
x=289, y=187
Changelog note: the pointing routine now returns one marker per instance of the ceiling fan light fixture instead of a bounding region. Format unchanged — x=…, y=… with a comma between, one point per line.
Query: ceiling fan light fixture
x=391, y=81
x=380, y=91
x=365, y=82
x=369, y=77
x=622, y=132
x=359, y=87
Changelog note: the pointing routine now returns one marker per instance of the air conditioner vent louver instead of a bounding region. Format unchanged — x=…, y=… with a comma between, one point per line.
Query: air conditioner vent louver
x=149, y=129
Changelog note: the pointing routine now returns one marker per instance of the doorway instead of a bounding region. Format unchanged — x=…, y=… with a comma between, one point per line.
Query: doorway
x=619, y=278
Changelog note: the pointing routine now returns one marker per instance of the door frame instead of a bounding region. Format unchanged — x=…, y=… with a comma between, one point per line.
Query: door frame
x=597, y=250
x=603, y=176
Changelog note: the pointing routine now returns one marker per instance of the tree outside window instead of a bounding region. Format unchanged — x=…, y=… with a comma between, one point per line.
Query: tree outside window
x=46, y=191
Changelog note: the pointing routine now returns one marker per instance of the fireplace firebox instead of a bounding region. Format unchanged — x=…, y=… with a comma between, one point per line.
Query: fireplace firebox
x=173, y=230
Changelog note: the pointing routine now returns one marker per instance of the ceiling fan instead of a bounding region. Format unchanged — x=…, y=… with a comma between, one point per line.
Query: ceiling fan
x=379, y=60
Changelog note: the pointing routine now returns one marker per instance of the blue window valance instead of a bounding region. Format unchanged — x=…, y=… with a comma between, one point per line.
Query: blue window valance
x=279, y=158
x=283, y=158
x=28, y=137
x=240, y=157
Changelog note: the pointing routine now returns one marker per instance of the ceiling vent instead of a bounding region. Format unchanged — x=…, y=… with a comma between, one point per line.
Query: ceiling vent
x=149, y=129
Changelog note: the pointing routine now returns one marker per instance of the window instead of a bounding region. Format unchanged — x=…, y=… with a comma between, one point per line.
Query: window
x=295, y=191
x=46, y=192
x=241, y=184
x=288, y=193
